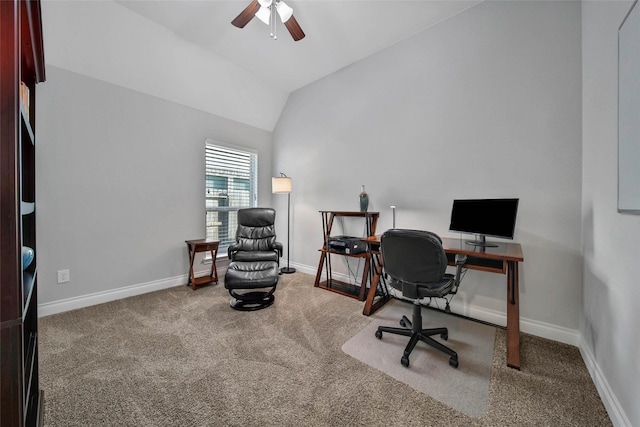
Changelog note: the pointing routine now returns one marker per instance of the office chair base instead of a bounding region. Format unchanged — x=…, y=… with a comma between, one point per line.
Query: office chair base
x=414, y=331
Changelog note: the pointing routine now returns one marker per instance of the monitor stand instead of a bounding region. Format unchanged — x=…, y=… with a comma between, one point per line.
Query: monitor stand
x=481, y=241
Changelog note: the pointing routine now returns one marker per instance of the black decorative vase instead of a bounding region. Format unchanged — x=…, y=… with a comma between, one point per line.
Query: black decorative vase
x=364, y=200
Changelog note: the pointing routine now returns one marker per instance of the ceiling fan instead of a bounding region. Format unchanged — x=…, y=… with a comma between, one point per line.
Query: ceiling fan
x=263, y=10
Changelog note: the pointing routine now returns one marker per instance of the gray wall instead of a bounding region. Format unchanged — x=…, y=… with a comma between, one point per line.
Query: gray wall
x=611, y=241
x=486, y=104
x=120, y=183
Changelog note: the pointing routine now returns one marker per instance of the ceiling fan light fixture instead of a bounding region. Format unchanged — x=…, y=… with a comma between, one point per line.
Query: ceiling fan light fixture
x=262, y=10
x=264, y=14
x=284, y=10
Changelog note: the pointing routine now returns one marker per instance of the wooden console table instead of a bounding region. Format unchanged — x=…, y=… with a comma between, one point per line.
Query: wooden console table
x=501, y=259
x=334, y=285
x=202, y=245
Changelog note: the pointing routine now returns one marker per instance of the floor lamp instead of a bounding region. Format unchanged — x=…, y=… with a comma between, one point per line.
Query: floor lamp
x=282, y=185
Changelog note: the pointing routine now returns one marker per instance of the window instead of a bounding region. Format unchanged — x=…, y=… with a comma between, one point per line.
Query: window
x=230, y=184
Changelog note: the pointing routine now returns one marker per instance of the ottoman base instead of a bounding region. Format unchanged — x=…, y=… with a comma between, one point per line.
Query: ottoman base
x=252, y=301
x=251, y=284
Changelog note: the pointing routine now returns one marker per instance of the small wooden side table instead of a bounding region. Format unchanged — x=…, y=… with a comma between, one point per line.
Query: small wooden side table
x=202, y=245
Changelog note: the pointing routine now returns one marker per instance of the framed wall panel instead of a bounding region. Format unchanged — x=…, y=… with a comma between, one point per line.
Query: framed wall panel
x=629, y=112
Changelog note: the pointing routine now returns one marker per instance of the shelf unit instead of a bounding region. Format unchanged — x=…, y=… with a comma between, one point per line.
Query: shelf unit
x=22, y=62
x=332, y=284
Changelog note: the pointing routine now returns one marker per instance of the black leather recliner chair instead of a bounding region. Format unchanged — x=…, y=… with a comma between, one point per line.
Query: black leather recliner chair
x=252, y=274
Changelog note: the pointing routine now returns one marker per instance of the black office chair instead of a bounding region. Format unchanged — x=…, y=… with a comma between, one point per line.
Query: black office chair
x=252, y=274
x=415, y=264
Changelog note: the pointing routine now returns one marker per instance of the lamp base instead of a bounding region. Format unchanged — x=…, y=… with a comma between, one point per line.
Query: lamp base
x=287, y=270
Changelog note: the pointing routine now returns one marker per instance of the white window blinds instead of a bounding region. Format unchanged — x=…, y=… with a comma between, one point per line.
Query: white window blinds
x=231, y=184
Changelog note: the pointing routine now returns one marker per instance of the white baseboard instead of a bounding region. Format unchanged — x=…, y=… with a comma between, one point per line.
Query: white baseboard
x=301, y=268
x=528, y=326
x=614, y=409
x=82, y=301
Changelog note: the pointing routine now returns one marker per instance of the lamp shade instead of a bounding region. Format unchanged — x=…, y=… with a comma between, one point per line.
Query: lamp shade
x=281, y=185
x=284, y=10
x=264, y=14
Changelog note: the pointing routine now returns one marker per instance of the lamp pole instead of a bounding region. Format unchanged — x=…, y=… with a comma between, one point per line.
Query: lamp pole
x=287, y=269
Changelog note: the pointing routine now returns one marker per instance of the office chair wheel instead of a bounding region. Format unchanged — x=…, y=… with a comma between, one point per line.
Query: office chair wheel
x=379, y=335
x=445, y=336
x=453, y=362
x=405, y=361
x=405, y=322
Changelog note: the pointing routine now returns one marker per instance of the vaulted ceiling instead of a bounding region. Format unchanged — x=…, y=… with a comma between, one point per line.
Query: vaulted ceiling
x=338, y=33
x=187, y=51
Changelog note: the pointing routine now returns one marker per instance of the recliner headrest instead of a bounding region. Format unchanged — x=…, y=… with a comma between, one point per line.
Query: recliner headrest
x=256, y=217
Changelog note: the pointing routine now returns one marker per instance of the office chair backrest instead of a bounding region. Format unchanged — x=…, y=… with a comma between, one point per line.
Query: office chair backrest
x=256, y=229
x=413, y=256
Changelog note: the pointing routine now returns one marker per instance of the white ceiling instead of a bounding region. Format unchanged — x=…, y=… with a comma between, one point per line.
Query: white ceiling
x=338, y=33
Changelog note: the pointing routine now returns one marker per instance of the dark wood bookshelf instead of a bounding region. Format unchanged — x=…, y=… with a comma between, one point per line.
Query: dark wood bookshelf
x=22, y=63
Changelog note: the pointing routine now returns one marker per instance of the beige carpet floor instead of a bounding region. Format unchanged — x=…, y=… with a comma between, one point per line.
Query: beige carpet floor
x=179, y=357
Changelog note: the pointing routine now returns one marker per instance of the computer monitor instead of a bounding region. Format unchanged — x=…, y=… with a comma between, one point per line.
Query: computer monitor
x=484, y=217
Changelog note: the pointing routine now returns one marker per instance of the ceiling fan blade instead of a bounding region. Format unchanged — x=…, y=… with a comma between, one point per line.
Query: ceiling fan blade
x=294, y=28
x=246, y=15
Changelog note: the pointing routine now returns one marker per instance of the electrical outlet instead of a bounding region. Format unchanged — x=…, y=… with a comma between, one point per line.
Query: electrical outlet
x=63, y=276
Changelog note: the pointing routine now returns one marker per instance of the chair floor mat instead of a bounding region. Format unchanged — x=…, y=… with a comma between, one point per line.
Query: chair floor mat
x=465, y=388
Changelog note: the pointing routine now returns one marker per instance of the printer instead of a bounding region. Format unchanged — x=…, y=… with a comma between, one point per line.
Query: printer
x=346, y=245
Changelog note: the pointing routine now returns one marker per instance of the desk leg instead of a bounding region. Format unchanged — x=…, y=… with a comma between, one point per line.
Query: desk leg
x=369, y=305
x=513, y=316
x=365, y=279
